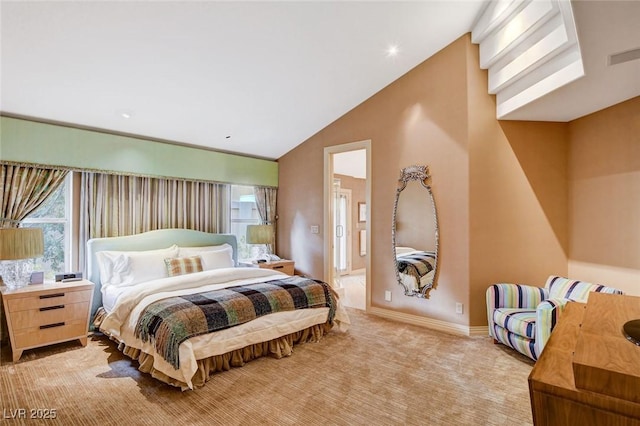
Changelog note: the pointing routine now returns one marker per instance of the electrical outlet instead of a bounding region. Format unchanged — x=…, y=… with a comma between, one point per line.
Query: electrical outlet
x=315, y=229
x=387, y=296
x=458, y=308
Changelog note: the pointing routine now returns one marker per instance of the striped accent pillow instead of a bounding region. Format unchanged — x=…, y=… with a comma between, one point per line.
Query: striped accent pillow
x=183, y=265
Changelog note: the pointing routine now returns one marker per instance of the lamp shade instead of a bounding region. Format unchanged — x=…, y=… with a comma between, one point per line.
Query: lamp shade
x=259, y=234
x=21, y=243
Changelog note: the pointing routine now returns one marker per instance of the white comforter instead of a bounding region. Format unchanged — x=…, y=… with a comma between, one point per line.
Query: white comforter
x=120, y=322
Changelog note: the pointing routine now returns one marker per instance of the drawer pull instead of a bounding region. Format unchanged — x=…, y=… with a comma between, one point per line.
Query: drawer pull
x=58, y=324
x=49, y=296
x=278, y=267
x=49, y=308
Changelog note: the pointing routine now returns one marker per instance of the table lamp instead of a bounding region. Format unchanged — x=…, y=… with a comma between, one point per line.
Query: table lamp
x=261, y=234
x=16, y=245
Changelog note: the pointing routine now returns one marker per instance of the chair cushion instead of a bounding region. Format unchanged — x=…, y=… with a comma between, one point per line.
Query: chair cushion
x=518, y=321
x=515, y=341
x=565, y=288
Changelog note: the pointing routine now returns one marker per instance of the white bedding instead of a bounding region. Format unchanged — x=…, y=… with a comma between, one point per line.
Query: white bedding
x=411, y=283
x=127, y=303
x=110, y=295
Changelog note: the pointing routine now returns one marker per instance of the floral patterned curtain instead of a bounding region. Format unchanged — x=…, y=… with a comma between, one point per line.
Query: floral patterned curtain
x=23, y=188
x=266, y=204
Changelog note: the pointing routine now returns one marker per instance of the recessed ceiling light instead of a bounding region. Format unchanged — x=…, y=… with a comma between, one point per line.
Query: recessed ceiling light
x=392, y=50
x=125, y=113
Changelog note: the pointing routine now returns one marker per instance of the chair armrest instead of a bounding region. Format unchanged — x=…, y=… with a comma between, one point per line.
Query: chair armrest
x=506, y=295
x=547, y=315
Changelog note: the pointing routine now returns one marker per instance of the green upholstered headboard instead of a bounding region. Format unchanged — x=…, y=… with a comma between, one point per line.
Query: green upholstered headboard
x=152, y=240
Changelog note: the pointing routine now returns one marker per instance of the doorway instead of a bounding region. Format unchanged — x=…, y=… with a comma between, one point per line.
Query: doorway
x=342, y=230
x=347, y=199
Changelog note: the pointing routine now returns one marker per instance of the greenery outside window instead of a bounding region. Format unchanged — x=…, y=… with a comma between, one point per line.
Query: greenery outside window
x=243, y=212
x=53, y=217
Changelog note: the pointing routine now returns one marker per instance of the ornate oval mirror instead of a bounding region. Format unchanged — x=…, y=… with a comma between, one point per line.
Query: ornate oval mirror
x=415, y=232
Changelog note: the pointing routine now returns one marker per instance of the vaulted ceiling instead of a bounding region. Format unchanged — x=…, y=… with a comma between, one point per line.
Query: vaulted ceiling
x=256, y=78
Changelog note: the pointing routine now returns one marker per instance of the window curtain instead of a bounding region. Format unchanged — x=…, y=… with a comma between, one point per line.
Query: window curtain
x=266, y=205
x=116, y=205
x=23, y=189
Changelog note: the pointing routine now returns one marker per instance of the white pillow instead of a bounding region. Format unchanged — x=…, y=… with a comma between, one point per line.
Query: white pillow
x=216, y=259
x=126, y=268
x=404, y=250
x=111, y=264
x=194, y=251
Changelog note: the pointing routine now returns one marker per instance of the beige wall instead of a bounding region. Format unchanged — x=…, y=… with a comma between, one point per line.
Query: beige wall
x=419, y=119
x=493, y=225
x=501, y=188
x=604, y=177
x=517, y=196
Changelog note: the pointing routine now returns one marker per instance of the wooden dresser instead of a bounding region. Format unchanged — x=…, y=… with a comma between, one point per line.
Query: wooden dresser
x=589, y=373
x=286, y=266
x=44, y=314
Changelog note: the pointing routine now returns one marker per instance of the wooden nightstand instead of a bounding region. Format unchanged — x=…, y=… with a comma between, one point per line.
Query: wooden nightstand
x=286, y=266
x=44, y=314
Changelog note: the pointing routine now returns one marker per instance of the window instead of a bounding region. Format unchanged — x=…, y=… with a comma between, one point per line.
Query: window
x=243, y=212
x=53, y=217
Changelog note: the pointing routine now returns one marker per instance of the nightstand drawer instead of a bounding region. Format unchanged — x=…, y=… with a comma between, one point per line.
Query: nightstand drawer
x=51, y=333
x=52, y=297
x=286, y=266
x=49, y=315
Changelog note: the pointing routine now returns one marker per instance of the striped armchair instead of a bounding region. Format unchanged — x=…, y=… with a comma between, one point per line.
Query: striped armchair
x=523, y=316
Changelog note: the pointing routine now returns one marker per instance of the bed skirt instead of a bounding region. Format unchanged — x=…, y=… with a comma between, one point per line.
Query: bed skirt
x=207, y=367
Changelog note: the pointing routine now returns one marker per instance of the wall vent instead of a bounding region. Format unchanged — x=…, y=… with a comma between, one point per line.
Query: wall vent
x=621, y=57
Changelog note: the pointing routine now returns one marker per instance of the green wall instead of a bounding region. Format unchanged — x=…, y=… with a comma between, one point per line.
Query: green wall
x=39, y=143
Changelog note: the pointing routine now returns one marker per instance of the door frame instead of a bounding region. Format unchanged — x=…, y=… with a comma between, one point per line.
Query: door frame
x=328, y=210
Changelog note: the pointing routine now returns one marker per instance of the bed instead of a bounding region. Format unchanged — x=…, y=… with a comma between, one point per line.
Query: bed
x=176, y=301
x=415, y=267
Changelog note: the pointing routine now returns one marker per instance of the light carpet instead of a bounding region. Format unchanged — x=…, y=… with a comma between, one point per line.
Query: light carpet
x=378, y=373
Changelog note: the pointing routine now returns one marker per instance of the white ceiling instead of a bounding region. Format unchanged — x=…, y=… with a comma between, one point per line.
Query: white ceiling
x=351, y=163
x=267, y=74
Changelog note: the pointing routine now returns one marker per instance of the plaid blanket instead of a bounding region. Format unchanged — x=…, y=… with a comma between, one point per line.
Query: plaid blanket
x=169, y=322
x=416, y=264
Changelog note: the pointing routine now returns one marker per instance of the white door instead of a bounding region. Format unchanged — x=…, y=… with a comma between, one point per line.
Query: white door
x=342, y=230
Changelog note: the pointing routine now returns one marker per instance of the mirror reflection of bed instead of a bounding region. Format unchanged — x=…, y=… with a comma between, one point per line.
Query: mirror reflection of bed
x=415, y=232
x=415, y=267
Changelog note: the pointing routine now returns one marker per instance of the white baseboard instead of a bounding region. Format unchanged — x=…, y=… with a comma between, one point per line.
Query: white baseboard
x=434, y=324
x=479, y=331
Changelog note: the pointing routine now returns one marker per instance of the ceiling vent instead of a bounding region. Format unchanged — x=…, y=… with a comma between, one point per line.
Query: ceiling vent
x=621, y=57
